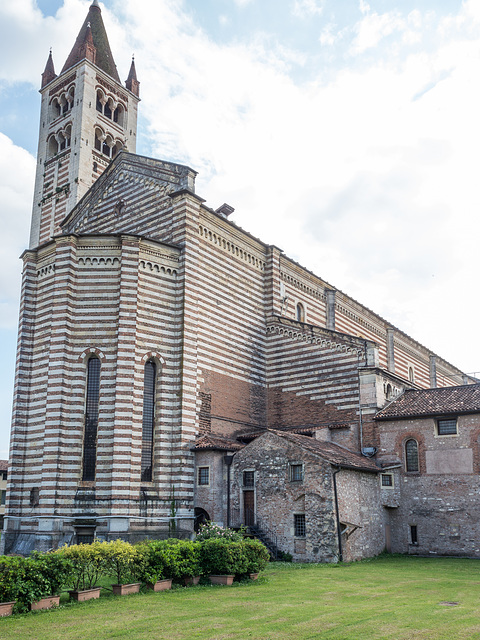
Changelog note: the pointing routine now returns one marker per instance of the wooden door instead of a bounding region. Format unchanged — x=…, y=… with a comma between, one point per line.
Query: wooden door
x=248, y=508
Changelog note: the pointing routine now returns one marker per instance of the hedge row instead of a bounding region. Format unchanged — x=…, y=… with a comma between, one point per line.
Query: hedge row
x=80, y=567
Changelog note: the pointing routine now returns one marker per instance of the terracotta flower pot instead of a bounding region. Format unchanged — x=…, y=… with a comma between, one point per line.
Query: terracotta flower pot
x=228, y=580
x=85, y=594
x=45, y=603
x=6, y=608
x=126, y=589
x=160, y=585
x=253, y=576
x=189, y=581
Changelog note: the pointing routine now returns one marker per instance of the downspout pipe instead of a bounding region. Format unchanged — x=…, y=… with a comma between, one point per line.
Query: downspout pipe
x=337, y=515
x=228, y=461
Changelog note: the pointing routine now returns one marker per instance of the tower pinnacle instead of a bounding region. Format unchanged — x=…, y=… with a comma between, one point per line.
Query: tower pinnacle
x=49, y=74
x=97, y=39
x=131, y=82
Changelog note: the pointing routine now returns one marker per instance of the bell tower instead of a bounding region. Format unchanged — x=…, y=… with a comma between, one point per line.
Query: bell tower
x=87, y=116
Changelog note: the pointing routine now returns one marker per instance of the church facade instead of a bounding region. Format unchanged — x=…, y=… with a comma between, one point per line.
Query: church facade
x=165, y=354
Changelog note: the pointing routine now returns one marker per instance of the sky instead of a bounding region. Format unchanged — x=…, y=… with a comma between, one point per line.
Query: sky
x=345, y=132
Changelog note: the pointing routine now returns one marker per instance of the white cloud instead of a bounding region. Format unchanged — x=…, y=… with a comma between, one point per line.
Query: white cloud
x=242, y=3
x=374, y=27
x=307, y=8
x=17, y=169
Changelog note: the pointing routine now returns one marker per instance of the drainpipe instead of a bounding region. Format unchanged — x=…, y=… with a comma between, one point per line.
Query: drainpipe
x=339, y=533
x=228, y=461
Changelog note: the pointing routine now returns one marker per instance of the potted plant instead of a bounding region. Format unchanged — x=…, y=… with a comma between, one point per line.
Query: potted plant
x=221, y=559
x=45, y=574
x=189, y=562
x=88, y=563
x=11, y=577
x=123, y=562
x=257, y=556
x=155, y=564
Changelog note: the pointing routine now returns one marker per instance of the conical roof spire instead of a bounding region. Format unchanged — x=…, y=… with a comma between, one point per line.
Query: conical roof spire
x=132, y=83
x=92, y=35
x=49, y=74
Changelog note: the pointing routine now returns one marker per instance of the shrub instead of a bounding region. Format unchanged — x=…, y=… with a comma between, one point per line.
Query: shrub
x=257, y=555
x=11, y=576
x=88, y=563
x=220, y=557
x=122, y=561
x=44, y=574
x=187, y=558
x=157, y=561
x=212, y=530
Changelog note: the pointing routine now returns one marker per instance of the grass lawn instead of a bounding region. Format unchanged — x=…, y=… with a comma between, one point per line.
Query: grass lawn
x=388, y=597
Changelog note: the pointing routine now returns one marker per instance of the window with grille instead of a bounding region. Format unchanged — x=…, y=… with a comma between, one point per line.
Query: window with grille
x=387, y=480
x=411, y=456
x=203, y=475
x=299, y=523
x=249, y=478
x=149, y=379
x=296, y=472
x=91, y=419
x=447, y=427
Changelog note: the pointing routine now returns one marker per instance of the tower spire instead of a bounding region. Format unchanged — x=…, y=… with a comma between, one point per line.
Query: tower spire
x=97, y=39
x=132, y=83
x=49, y=74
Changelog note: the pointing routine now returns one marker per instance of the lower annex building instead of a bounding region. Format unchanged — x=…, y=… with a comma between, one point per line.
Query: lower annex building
x=171, y=367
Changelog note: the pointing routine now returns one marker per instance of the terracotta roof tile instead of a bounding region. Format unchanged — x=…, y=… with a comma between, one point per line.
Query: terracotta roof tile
x=430, y=402
x=333, y=453
x=104, y=57
x=216, y=443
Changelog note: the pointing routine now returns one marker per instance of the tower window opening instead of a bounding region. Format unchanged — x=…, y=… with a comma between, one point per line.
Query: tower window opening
x=91, y=419
x=107, y=112
x=300, y=312
x=148, y=421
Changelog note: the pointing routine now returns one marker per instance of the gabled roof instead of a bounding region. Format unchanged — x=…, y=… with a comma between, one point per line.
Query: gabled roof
x=212, y=442
x=333, y=453
x=415, y=403
x=104, y=58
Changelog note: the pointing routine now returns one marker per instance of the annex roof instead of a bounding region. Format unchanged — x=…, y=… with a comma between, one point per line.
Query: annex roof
x=415, y=403
x=212, y=442
x=331, y=452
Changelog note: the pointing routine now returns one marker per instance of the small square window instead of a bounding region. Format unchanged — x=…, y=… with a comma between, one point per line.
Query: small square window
x=447, y=427
x=299, y=522
x=296, y=472
x=387, y=480
x=203, y=475
x=249, y=478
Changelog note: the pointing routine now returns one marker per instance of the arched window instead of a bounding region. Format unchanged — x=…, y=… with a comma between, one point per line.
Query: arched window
x=149, y=380
x=300, y=312
x=389, y=391
x=91, y=419
x=411, y=455
x=411, y=374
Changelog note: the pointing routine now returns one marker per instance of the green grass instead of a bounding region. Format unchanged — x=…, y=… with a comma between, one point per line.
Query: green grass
x=395, y=598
